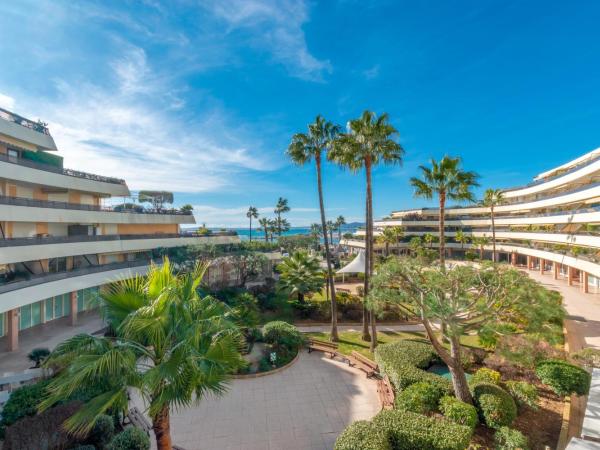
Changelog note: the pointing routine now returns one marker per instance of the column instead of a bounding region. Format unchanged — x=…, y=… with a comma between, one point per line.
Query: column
x=570, y=276
x=513, y=259
x=542, y=265
x=73, y=316
x=584, y=280
x=529, y=262
x=12, y=331
x=555, y=269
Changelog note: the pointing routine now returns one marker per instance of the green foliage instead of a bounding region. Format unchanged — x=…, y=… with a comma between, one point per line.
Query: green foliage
x=403, y=362
x=458, y=412
x=495, y=406
x=485, y=375
x=102, y=432
x=22, y=402
x=421, y=397
x=84, y=447
x=297, y=242
x=525, y=350
x=245, y=310
x=300, y=274
x=523, y=393
x=283, y=336
x=409, y=431
x=589, y=357
x=131, y=438
x=363, y=435
x=564, y=378
x=509, y=439
x=37, y=355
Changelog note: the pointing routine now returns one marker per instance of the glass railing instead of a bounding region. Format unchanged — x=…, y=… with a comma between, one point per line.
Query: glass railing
x=38, y=126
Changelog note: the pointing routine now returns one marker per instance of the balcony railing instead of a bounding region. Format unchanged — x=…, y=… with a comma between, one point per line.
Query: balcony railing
x=20, y=201
x=59, y=170
x=15, y=118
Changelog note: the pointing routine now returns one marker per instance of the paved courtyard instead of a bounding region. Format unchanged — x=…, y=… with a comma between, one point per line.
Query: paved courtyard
x=303, y=407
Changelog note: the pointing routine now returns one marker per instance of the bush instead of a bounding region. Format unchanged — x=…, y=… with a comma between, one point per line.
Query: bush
x=485, y=375
x=282, y=336
x=363, y=435
x=496, y=407
x=421, y=398
x=85, y=447
x=38, y=355
x=458, y=412
x=403, y=362
x=563, y=378
x=509, y=439
x=408, y=431
x=102, y=432
x=523, y=393
x=22, y=402
x=131, y=438
x=589, y=357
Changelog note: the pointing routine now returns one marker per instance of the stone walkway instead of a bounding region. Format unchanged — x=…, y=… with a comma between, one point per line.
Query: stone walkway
x=301, y=408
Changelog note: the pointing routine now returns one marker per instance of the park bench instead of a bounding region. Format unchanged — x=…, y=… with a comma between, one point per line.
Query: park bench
x=363, y=363
x=323, y=346
x=137, y=419
x=386, y=392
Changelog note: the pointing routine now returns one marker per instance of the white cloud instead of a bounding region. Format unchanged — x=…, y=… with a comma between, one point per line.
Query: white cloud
x=6, y=102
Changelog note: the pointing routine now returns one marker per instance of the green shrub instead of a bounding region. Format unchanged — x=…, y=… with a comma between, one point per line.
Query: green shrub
x=282, y=336
x=485, y=375
x=458, y=412
x=131, y=438
x=409, y=431
x=38, y=355
x=421, y=397
x=102, y=432
x=495, y=406
x=589, y=357
x=509, y=439
x=403, y=362
x=564, y=378
x=363, y=435
x=22, y=402
x=523, y=393
x=84, y=447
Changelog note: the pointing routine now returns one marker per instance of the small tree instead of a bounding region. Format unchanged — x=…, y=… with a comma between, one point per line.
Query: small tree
x=248, y=266
x=300, y=274
x=461, y=238
x=156, y=198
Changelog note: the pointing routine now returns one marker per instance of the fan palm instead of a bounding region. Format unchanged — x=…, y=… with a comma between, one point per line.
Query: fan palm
x=171, y=346
x=264, y=223
x=461, y=238
x=304, y=148
x=330, y=227
x=390, y=235
x=273, y=227
x=481, y=242
x=252, y=214
x=339, y=222
x=492, y=198
x=429, y=239
x=281, y=208
x=447, y=180
x=300, y=274
x=368, y=142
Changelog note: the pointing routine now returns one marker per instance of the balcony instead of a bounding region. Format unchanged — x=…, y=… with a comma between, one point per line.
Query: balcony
x=34, y=135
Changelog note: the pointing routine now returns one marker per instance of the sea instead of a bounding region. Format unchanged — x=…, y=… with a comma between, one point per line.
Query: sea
x=258, y=234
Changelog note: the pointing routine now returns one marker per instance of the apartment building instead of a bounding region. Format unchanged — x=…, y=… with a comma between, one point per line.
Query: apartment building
x=552, y=225
x=60, y=241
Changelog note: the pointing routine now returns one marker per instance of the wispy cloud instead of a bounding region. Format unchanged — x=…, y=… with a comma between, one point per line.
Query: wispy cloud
x=372, y=72
x=6, y=101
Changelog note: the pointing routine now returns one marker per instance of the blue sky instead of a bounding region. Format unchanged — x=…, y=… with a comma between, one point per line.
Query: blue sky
x=202, y=97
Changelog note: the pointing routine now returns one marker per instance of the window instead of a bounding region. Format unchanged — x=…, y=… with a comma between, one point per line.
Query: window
x=36, y=313
x=24, y=317
x=13, y=155
x=58, y=306
x=49, y=309
x=2, y=326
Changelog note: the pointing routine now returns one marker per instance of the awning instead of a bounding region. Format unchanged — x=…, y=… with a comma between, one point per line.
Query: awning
x=357, y=265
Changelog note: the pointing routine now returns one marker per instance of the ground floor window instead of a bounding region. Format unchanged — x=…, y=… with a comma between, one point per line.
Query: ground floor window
x=88, y=298
x=58, y=306
x=30, y=315
x=2, y=326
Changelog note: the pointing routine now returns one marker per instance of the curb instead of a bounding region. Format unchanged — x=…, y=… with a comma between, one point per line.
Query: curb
x=247, y=376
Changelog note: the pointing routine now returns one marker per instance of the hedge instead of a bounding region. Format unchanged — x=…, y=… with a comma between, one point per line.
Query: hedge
x=523, y=393
x=409, y=431
x=485, y=375
x=421, y=397
x=363, y=435
x=131, y=438
x=281, y=334
x=564, y=378
x=495, y=406
x=102, y=432
x=509, y=439
x=459, y=412
x=22, y=402
x=403, y=362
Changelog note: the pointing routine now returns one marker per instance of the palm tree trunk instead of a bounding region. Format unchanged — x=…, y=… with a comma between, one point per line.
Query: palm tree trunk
x=250, y=229
x=279, y=224
x=162, y=430
x=366, y=336
x=493, y=234
x=442, y=234
x=370, y=255
x=331, y=284
x=387, y=249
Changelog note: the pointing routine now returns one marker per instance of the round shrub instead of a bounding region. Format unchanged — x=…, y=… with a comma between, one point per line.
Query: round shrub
x=363, y=435
x=458, y=412
x=509, y=439
x=38, y=355
x=131, y=438
x=495, y=406
x=102, y=432
x=485, y=375
x=523, y=393
x=282, y=335
x=563, y=378
x=422, y=398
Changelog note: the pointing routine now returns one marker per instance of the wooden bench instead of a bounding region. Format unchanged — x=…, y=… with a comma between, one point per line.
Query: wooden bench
x=386, y=392
x=363, y=363
x=323, y=346
x=137, y=419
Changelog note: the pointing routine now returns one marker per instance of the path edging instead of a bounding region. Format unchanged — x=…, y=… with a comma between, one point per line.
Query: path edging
x=246, y=376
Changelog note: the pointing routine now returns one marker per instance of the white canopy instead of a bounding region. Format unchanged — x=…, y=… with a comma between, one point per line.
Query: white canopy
x=357, y=265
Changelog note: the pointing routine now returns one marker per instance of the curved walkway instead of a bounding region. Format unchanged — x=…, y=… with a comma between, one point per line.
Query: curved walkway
x=303, y=407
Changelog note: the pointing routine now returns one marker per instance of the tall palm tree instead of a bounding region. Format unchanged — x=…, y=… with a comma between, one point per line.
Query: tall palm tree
x=330, y=229
x=281, y=208
x=492, y=198
x=368, y=142
x=171, y=346
x=264, y=223
x=339, y=222
x=304, y=148
x=300, y=274
x=252, y=214
x=274, y=226
x=448, y=181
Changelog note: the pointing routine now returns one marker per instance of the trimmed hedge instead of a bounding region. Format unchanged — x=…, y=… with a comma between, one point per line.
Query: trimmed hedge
x=523, y=393
x=409, y=431
x=509, y=439
x=564, y=378
x=421, y=397
x=363, y=435
x=282, y=334
x=131, y=438
x=495, y=406
x=404, y=363
x=459, y=412
x=485, y=375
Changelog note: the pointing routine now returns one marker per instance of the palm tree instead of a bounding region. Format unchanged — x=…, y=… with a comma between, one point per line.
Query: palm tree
x=481, y=242
x=281, y=208
x=264, y=223
x=171, y=346
x=303, y=149
x=447, y=180
x=339, y=222
x=429, y=239
x=330, y=227
x=492, y=198
x=274, y=225
x=368, y=142
x=252, y=213
x=461, y=238
x=300, y=274
x=390, y=235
